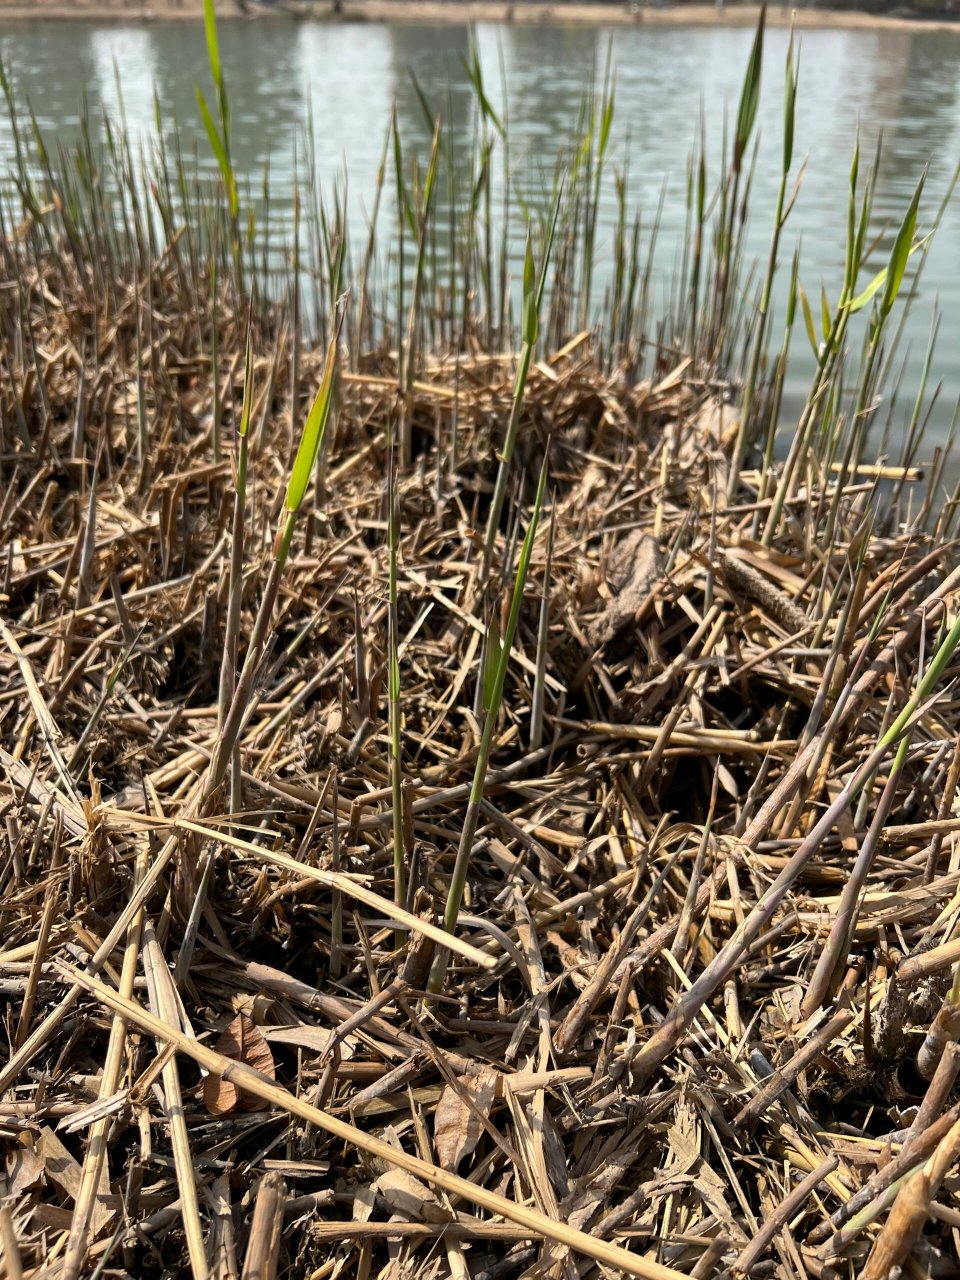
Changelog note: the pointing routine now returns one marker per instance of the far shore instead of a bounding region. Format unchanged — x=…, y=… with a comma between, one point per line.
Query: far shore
x=467, y=11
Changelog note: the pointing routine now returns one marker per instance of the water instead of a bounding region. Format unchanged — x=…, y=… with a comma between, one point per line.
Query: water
x=346, y=78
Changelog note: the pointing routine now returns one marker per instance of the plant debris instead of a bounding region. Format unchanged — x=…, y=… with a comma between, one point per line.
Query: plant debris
x=694, y=1013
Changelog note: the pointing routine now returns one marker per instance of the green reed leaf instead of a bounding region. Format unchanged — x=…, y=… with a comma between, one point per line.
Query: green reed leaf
x=750, y=94
x=247, y=389
x=808, y=319
x=531, y=321
x=213, y=44
x=902, y=249
x=314, y=428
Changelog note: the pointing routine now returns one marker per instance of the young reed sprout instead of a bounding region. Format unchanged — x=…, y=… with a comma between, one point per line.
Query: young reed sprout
x=215, y=357
x=228, y=667
x=393, y=681
x=779, y=220
x=420, y=220
x=887, y=283
x=496, y=662
x=730, y=202
x=543, y=637
x=533, y=287
x=834, y=321
x=593, y=204
x=311, y=439
x=218, y=134
x=697, y=200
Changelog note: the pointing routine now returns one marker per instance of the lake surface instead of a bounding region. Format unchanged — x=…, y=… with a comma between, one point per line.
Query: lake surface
x=346, y=79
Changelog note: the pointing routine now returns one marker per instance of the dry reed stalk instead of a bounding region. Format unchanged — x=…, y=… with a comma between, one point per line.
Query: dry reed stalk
x=97, y=1143
x=163, y=999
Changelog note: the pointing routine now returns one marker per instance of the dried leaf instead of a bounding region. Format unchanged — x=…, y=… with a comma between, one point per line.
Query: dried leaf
x=457, y=1126
x=684, y=1141
x=257, y=1007
x=243, y=1041
x=24, y=1168
x=303, y=1036
x=61, y=1167
x=727, y=780
x=364, y=1199
x=635, y=567
x=410, y=1197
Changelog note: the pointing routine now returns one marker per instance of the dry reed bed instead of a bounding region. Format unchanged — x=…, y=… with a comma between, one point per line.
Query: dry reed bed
x=704, y=697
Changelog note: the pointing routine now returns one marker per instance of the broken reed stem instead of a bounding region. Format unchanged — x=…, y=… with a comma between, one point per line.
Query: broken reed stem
x=787, y=1209
x=911, y=1209
x=666, y=1037
x=228, y=667
x=51, y=903
x=162, y=997
x=832, y=961
x=97, y=1143
x=263, y=1245
x=8, y=1234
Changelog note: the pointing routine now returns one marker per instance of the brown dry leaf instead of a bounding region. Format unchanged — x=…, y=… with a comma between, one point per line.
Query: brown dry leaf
x=410, y=1197
x=243, y=1041
x=303, y=1036
x=24, y=1167
x=257, y=1007
x=457, y=1127
x=364, y=1198
x=63, y=1170
x=684, y=1141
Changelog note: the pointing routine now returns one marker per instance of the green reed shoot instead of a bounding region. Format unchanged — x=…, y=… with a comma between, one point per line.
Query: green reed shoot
x=697, y=203
x=886, y=284
x=423, y=197
x=746, y=118
x=363, y=293
x=218, y=133
x=215, y=356
x=779, y=219
x=228, y=667
x=603, y=127
x=311, y=439
x=533, y=287
x=405, y=219
x=496, y=663
x=393, y=680
x=828, y=348
x=543, y=637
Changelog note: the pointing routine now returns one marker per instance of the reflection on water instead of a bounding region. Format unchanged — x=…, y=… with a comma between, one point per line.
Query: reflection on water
x=346, y=78
x=124, y=96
